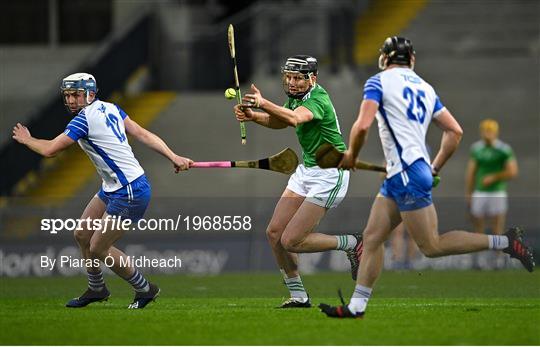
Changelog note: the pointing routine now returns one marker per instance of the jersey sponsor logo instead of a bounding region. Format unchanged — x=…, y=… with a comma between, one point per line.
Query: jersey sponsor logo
x=412, y=79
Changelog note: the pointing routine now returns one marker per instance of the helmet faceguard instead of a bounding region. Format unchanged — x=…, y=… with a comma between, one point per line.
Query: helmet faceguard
x=303, y=65
x=396, y=50
x=79, y=82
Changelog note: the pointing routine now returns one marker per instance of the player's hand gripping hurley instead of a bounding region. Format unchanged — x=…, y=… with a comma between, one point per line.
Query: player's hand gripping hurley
x=230, y=37
x=328, y=156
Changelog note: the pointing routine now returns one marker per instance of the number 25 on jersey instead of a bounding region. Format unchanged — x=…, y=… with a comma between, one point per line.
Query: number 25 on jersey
x=416, y=110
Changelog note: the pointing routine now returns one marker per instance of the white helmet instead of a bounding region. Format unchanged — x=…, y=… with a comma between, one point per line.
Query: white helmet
x=80, y=81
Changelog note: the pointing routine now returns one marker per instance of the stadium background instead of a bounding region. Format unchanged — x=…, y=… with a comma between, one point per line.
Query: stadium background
x=167, y=64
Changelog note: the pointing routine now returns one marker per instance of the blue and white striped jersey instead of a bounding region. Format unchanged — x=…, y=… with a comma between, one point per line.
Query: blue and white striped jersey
x=407, y=104
x=99, y=129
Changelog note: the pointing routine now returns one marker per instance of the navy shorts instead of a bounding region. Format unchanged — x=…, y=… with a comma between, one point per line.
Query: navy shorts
x=129, y=202
x=411, y=188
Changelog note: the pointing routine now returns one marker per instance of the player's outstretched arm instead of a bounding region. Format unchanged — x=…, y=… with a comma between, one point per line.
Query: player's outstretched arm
x=359, y=133
x=452, y=134
x=245, y=114
x=46, y=148
x=157, y=144
x=279, y=113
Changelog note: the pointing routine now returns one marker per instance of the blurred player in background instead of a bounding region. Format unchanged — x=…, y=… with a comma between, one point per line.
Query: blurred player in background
x=311, y=191
x=100, y=128
x=491, y=164
x=405, y=105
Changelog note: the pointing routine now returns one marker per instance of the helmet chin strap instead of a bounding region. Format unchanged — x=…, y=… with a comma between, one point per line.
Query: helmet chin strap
x=300, y=95
x=88, y=99
x=382, y=64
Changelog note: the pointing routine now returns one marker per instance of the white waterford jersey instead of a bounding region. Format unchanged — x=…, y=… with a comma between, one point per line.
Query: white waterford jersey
x=407, y=104
x=99, y=130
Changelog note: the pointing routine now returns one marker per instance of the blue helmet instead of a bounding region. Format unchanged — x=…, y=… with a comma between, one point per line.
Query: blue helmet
x=80, y=81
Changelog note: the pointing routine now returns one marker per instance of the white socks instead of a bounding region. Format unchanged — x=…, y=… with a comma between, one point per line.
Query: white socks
x=498, y=241
x=296, y=287
x=345, y=242
x=359, y=299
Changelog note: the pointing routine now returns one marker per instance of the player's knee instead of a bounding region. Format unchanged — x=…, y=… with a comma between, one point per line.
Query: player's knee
x=82, y=237
x=291, y=244
x=273, y=234
x=371, y=239
x=97, y=251
x=430, y=250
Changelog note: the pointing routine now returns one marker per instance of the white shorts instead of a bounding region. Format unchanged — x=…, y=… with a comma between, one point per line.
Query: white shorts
x=322, y=187
x=488, y=204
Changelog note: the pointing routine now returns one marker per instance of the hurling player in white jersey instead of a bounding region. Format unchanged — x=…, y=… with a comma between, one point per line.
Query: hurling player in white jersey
x=101, y=130
x=404, y=105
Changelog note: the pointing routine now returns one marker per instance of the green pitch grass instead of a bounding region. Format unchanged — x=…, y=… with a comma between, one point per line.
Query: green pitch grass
x=428, y=308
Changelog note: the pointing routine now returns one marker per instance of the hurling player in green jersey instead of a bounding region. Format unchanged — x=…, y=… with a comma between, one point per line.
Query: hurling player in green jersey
x=311, y=191
x=491, y=164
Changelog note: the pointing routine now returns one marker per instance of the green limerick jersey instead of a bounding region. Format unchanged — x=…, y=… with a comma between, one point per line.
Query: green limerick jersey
x=324, y=127
x=489, y=160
